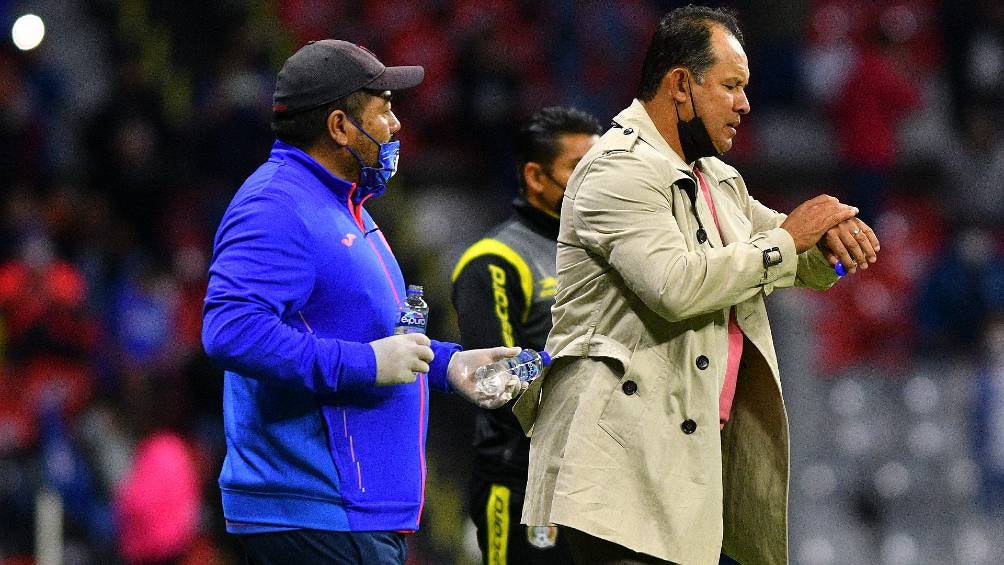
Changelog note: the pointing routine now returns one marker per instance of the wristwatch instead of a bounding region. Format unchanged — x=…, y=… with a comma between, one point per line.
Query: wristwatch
x=771, y=257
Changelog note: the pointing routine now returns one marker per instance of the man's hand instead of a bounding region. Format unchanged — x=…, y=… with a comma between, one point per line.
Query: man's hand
x=460, y=374
x=400, y=357
x=852, y=243
x=812, y=218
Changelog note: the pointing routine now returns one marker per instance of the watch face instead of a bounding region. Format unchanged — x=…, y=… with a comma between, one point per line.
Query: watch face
x=771, y=257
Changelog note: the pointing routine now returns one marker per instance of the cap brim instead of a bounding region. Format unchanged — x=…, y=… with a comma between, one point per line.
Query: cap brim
x=398, y=78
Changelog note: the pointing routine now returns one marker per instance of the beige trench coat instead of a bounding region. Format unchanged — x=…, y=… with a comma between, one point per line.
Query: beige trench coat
x=625, y=440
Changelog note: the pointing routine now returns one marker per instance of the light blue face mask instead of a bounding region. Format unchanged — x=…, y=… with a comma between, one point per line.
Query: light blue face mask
x=375, y=179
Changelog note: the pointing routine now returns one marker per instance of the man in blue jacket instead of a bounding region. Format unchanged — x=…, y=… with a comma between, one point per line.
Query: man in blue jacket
x=325, y=411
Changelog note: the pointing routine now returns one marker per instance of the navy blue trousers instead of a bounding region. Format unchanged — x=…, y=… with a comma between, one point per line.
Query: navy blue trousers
x=309, y=547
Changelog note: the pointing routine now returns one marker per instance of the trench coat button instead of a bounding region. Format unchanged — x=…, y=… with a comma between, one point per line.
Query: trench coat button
x=688, y=426
x=702, y=235
x=628, y=131
x=702, y=362
x=629, y=387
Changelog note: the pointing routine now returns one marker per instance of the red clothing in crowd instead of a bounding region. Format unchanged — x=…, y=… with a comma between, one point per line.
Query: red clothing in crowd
x=875, y=98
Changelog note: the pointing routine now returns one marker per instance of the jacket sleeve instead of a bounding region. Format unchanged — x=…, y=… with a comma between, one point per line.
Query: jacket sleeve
x=489, y=299
x=813, y=271
x=262, y=272
x=623, y=212
x=442, y=354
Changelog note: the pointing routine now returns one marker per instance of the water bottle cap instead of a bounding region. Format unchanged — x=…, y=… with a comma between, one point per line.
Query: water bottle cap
x=414, y=289
x=545, y=357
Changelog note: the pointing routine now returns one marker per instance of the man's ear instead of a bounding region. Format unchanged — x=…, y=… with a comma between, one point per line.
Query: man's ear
x=532, y=173
x=675, y=83
x=338, y=124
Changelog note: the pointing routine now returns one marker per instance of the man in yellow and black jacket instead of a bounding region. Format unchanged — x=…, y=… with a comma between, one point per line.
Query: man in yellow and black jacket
x=503, y=290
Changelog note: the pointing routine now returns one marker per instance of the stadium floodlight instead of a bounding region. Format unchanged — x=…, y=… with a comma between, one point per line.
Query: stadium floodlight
x=28, y=32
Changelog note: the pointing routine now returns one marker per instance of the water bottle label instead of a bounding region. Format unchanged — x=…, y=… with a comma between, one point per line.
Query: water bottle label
x=411, y=322
x=524, y=367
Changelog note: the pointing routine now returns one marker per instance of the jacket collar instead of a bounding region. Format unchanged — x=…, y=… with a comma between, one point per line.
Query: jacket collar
x=284, y=152
x=536, y=220
x=637, y=117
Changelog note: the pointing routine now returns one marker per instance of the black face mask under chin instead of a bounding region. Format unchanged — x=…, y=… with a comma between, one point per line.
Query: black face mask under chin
x=694, y=138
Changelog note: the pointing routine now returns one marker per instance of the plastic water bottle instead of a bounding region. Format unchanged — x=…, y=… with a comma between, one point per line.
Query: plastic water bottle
x=491, y=379
x=413, y=317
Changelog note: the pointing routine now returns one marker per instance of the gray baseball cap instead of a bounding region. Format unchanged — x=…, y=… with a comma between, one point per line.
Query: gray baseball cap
x=324, y=71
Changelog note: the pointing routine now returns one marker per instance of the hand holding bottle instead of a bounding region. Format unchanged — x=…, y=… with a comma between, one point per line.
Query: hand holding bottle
x=496, y=378
x=399, y=358
x=462, y=370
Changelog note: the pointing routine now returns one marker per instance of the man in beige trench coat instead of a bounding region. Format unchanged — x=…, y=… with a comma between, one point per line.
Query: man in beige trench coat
x=659, y=434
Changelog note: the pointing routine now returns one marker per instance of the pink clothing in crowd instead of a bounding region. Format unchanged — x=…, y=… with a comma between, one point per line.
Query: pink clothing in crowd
x=158, y=502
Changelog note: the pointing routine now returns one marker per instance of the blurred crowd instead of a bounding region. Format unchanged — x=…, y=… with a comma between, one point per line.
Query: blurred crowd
x=128, y=130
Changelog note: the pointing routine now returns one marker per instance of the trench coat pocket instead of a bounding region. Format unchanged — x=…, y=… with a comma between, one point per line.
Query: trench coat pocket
x=597, y=346
x=526, y=406
x=630, y=398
